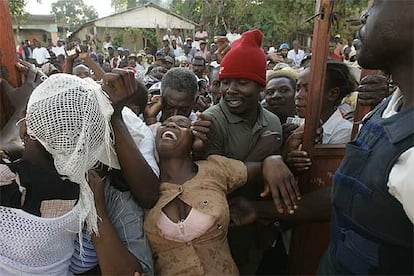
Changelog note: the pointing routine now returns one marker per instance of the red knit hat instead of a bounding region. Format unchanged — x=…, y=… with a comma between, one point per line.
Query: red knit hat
x=246, y=59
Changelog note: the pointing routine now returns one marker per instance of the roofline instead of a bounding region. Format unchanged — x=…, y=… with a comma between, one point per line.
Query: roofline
x=136, y=8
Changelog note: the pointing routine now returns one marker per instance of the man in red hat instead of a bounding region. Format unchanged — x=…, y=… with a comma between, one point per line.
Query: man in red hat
x=244, y=130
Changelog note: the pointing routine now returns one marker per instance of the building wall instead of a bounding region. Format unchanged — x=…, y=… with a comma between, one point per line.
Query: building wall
x=39, y=35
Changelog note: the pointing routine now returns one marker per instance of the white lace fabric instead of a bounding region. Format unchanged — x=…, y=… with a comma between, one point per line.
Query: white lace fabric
x=31, y=245
x=70, y=117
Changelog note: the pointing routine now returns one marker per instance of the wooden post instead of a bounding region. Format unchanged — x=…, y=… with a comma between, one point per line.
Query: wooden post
x=310, y=240
x=8, y=59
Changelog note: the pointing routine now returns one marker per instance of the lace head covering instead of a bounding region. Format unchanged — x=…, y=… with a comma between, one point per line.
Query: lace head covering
x=70, y=117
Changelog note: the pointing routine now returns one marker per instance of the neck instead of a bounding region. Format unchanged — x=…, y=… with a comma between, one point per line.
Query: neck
x=402, y=75
x=36, y=154
x=327, y=112
x=251, y=116
x=176, y=170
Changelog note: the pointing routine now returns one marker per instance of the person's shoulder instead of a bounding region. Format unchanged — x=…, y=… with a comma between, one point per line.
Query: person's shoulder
x=272, y=119
x=270, y=116
x=214, y=111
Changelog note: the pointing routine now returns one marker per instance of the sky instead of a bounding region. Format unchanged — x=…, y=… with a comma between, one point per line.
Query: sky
x=103, y=7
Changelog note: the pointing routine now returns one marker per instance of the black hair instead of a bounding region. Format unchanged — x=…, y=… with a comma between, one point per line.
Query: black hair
x=180, y=79
x=140, y=96
x=338, y=75
x=200, y=58
x=291, y=80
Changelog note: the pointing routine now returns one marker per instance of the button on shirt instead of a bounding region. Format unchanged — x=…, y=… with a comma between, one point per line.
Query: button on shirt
x=208, y=254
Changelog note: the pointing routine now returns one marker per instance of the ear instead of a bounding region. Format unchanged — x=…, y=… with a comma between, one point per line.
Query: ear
x=334, y=94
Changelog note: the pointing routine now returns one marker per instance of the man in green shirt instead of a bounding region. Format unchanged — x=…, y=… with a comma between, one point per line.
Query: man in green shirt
x=244, y=130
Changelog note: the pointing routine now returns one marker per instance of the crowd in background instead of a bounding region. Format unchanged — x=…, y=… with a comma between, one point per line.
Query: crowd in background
x=205, y=134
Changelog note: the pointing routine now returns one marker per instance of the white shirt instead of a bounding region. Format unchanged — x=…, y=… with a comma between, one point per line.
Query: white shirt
x=336, y=130
x=297, y=58
x=142, y=136
x=41, y=55
x=400, y=179
x=59, y=50
x=178, y=51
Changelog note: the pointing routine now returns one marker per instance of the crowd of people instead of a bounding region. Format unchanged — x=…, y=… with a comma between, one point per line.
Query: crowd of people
x=184, y=161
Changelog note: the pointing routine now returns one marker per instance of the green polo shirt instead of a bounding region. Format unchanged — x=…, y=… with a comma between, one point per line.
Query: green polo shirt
x=233, y=136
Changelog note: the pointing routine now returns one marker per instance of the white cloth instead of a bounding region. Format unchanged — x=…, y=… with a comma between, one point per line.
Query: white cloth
x=336, y=130
x=142, y=136
x=354, y=69
x=32, y=245
x=178, y=51
x=232, y=36
x=59, y=50
x=41, y=55
x=400, y=182
x=107, y=44
x=296, y=57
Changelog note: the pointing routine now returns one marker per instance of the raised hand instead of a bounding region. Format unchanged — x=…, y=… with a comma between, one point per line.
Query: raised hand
x=120, y=86
x=153, y=107
x=223, y=46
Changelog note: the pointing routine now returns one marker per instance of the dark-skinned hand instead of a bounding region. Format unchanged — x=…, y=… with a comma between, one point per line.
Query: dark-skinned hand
x=223, y=47
x=10, y=140
x=201, y=131
x=120, y=86
x=280, y=183
x=372, y=90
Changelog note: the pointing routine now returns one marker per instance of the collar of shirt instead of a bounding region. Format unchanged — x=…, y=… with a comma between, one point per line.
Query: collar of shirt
x=394, y=105
x=333, y=121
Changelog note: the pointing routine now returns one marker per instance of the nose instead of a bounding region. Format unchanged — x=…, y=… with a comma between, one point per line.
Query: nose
x=231, y=88
x=276, y=95
x=300, y=94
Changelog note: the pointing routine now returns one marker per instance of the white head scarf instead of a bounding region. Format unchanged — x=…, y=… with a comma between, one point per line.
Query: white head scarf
x=70, y=117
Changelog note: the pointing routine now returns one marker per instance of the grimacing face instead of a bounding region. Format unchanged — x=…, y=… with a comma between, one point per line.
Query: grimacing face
x=174, y=137
x=176, y=103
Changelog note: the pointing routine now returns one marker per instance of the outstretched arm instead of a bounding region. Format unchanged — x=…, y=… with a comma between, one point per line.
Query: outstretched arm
x=144, y=184
x=99, y=72
x=279, y=182
x=313, y=207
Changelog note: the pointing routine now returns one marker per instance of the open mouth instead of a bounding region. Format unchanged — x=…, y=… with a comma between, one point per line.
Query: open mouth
x=169, y=135
x=234, y=102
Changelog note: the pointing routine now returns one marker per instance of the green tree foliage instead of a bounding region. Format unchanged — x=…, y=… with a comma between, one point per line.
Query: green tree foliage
x=17, y=7
x=73, y=12
x=18, y=13
x=122, y=5
x=279, y=20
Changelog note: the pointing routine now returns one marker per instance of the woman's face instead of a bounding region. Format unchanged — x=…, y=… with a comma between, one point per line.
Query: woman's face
x=174, y=137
